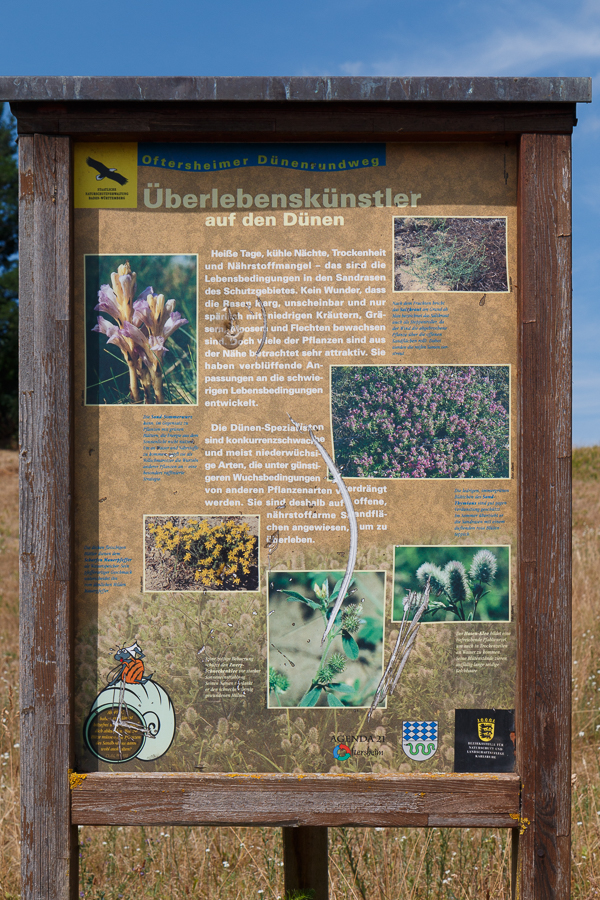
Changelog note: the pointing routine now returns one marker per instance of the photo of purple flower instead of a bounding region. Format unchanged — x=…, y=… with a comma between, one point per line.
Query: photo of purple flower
x=421, y=421
x=145, y=353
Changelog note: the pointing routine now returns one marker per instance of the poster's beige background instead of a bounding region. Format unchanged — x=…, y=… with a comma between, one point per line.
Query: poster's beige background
x=111, y=497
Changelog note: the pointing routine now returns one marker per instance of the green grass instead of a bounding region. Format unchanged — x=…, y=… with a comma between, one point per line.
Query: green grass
x=586, y=463
x=458, y=253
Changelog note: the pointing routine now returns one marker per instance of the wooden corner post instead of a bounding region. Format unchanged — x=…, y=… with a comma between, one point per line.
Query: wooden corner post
x=544, y=635
x=49, y=843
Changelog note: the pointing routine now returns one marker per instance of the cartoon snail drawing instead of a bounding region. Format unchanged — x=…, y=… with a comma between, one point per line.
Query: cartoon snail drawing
x=133, y=716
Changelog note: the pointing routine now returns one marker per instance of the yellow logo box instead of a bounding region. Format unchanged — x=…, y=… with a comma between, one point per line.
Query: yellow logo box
x=105, y=176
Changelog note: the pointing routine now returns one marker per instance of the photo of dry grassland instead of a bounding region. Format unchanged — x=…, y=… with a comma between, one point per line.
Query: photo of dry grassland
x=442, y=253
x=200, y=553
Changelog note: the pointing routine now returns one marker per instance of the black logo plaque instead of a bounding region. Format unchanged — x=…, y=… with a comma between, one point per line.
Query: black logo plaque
x=484, y=740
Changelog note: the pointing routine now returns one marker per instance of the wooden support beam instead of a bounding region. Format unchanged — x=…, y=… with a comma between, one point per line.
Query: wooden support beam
x=274, y=120
x=488, y=801
x=544, y=616
x=49, y=842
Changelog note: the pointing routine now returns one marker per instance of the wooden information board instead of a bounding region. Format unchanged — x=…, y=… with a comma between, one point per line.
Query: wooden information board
x=295, y=385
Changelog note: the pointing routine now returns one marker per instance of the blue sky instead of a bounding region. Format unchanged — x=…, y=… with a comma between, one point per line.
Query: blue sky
x=347, y=37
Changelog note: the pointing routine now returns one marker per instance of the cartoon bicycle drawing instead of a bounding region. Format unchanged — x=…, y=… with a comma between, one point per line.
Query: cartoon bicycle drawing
x=133, y=716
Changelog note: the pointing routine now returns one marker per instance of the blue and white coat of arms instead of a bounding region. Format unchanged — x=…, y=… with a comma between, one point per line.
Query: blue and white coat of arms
x=419, y=739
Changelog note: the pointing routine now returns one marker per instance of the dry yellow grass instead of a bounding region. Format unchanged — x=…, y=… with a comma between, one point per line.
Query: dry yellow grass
x=586, y=677
x=378, y=864
x=9, y=675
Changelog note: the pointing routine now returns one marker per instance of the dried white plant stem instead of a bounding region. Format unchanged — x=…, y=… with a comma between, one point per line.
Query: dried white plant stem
x=335, y=474
x=402, y=648
x=264, y=315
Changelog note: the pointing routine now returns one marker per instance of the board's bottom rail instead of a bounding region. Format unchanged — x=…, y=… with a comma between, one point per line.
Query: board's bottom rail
x=420, y=800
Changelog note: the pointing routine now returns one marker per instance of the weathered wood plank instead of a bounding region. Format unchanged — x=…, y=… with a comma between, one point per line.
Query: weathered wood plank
x=49, y=843
x=485, y=820
x=272, y=119
x=290, y=800
x=544, y=619
x=293, y=89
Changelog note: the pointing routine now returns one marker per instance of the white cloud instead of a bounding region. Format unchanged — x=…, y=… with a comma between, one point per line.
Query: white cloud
x=529, y=51
x=521, y=48
x=352, y=68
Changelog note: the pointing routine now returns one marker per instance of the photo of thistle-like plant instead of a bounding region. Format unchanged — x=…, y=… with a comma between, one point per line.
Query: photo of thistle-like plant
x=459, y=253
x=199, y=553
x=467, y=584
x=141, y=329
x=345, y=670
x=421, y=421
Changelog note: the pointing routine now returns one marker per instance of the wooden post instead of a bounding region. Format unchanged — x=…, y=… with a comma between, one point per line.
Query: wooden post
x=544, y=623
x=49, y=842
x=305, y=861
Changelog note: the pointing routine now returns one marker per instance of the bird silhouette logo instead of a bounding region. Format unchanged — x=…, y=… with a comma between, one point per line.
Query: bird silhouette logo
x=105, y=172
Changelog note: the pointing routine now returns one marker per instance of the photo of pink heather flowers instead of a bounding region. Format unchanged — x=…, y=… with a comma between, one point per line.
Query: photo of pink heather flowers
x=450, y=253
x=421, y=421
x=141, y=329
x=466, y=583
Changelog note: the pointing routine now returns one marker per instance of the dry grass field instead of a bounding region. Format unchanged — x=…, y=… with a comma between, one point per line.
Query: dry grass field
x=365, y=864
x=9, y=675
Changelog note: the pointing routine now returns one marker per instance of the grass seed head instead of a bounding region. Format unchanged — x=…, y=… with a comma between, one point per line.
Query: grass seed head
x=458, y=587
x=484, y=565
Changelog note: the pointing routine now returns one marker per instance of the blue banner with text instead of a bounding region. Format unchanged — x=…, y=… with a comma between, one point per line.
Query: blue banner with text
x=221, y=157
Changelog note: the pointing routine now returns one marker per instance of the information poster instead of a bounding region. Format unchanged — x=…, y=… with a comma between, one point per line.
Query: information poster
x=295, y=451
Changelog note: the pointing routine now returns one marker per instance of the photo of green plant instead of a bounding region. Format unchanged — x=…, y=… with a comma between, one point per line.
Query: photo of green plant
x=441, y=253
x=146, y=351
x=467, y=584
x=199, y=553
x=345, y=670
x=421, y=421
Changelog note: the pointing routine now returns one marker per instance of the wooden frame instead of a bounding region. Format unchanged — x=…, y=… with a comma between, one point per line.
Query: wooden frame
x=540, y=113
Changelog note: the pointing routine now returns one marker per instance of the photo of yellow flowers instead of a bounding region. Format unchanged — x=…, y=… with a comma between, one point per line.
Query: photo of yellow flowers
x=201, y=553
x=140, y=329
